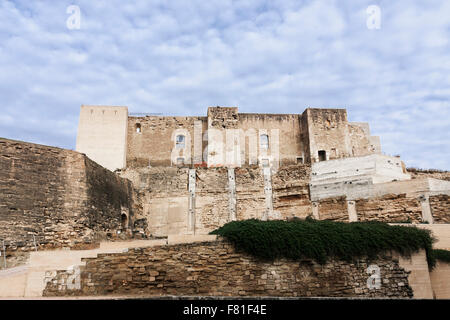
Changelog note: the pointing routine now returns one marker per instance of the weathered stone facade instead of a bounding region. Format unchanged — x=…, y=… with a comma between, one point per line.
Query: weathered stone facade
x=224, y=137
x=390, y=208
x=291, y=191
x=440, y=208
x=53, y=198
x=153, y=144
x=333, y=209
x=359, y=183
x=437, y=174
x=216, y=269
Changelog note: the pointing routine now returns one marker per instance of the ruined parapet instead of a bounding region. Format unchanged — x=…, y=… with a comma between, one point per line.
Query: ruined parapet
x=223, y=125
x=328, y=134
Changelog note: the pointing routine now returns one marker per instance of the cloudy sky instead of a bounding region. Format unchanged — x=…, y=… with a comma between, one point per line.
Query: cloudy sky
x=177, y=57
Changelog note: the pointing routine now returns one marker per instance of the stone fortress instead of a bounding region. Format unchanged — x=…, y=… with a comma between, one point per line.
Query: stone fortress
x=194, y=174
x=175, y=179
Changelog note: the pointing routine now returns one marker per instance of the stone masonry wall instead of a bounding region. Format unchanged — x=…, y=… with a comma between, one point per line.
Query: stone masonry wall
x=211, y=199
x=333, y=209
x=250, y=193
x=290, y=185
x=328, y=131
x=290, y=142
x=440, y=208
x=59, y=196
x=359, y=139
x=154, y=144
x=217, y=269
x=436, y=174
x=164, y=196
x=389, y=208
x=109, y=196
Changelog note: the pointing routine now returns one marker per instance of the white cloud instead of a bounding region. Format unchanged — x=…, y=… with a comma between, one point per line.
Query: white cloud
x=264, y=56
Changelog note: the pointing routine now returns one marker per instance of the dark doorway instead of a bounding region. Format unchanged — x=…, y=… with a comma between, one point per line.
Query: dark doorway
x=322, y=155
x=124, y=221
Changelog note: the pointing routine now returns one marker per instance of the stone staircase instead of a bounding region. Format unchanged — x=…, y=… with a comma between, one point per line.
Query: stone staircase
x=29, y=280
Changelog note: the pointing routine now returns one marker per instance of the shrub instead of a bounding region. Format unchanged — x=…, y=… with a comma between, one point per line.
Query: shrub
x=319, y=240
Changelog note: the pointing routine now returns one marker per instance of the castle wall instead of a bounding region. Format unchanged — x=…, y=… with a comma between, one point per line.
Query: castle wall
x=440, y=280
x=250, y=193
x=328, y=131
x=442, y=233
x=216, y=269
x=389, y=208
x=164, y=196
x=108, y=198
x=440, y=208
x=290, y=186
x=223, y=137
x=211, y=199
x=290, y=144
x=333, y=209
x=380, y=168
x=155, y=144
x=60, y=197
x=102, y=135
x=435, y=174
x=114, y=140
x=362, y=143
x=419, y=274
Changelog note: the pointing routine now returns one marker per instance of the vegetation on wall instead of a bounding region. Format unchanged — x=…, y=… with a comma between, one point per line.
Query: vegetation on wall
x=319, y=240
x=442, y=255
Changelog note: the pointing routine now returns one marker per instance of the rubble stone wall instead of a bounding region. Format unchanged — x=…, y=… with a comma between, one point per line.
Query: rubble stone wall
x=390, y=208
x=328, y=131
x=60, y=197
x=290, y=185
x=440, y=208
x=211, y=199
x=154, y=143
x=217, y=269
x=164, y=196
x=333, y=209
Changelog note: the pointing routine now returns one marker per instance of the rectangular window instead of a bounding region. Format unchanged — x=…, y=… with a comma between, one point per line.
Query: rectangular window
x=180, y=142
x=264, y=141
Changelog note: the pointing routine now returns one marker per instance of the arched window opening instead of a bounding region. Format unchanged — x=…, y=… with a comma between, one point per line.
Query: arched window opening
x=180, y=141
x=138, y=128
x=264, y=141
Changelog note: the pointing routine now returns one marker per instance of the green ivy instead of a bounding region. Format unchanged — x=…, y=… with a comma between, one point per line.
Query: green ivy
x=319, y=240
x=442, y=255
